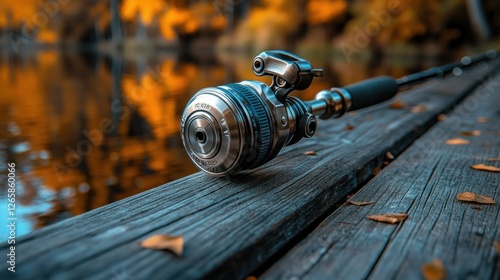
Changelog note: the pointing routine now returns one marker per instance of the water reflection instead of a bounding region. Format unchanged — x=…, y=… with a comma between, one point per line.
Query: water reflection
x=86, y=129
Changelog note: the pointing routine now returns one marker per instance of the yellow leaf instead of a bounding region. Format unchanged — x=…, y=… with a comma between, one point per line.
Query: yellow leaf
x=389, y=218
x=434, y=270
x=457, y=141
x=483, y=167
x=173, y=244
x=477, y=198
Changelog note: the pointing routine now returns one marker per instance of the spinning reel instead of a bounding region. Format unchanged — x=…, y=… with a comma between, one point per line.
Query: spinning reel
x=235, y=127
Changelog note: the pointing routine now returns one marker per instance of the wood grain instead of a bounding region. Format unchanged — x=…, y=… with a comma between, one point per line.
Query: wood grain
x=232, y=226
x=422, y=182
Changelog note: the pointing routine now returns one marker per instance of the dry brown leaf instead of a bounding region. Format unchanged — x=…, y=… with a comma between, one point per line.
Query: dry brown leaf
x=348, y=127
x=389, y=218
x=389, y=156
x=497, y=246
x=309, y=153
x=441, y=117
x=482, y=119
x=457, y=141
x=376, y=170
x=470, y=133
x=164, y=242
x=360, y=203
x=397, y=104
x=434, y=270
x=418, y=109
x=477, y=198
x=483, y=167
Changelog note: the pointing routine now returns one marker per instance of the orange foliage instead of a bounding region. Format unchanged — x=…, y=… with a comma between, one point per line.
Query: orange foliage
x=47, y=36
x=19, y=10
x=176, y=18
x=400, y=21
x=324, y=11
x=271, y=25
x=188, y=21
x=146, y=9
x=208, y=17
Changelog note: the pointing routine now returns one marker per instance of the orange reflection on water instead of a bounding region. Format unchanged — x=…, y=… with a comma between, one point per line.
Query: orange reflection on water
x=57, y=110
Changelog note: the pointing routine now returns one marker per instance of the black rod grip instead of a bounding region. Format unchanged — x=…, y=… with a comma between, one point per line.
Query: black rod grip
x=372, y=91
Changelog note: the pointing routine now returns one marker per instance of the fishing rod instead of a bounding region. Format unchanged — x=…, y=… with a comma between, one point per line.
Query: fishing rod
x=234, y=127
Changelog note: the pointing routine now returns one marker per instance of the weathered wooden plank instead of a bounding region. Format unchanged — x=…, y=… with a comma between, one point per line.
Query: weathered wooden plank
x=423, y=182
x=232, y=225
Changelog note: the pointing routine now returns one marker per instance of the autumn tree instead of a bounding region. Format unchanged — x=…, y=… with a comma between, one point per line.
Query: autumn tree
x=378, y=24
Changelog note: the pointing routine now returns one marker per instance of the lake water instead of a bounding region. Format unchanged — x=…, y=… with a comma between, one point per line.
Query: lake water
x=86, y=129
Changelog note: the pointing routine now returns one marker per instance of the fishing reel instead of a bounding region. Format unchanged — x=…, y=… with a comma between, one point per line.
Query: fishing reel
x=235, y=127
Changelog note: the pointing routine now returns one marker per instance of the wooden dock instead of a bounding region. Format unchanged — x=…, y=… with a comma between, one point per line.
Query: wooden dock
x=289, y=218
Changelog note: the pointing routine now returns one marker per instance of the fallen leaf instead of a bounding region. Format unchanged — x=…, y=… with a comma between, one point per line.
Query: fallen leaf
x=470, y=133
x=483, y=167
x=457, y=141
x=418, y=109
x=164, y=242
x=497, y=246
x=477, y=198
x=434, y=270
x=389, y=156
x=309, y=153
x=360, y=203
x=348, y=127
x=441, y=117
x=397, y=104
x=376, y=170
x=482, y=119
x=389, y=218
x=493, y=159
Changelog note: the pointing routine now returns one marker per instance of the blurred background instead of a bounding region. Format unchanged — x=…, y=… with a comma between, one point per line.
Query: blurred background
x=91, y=91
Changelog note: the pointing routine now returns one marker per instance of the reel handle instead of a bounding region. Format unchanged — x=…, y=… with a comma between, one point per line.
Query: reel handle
x=372, y=91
